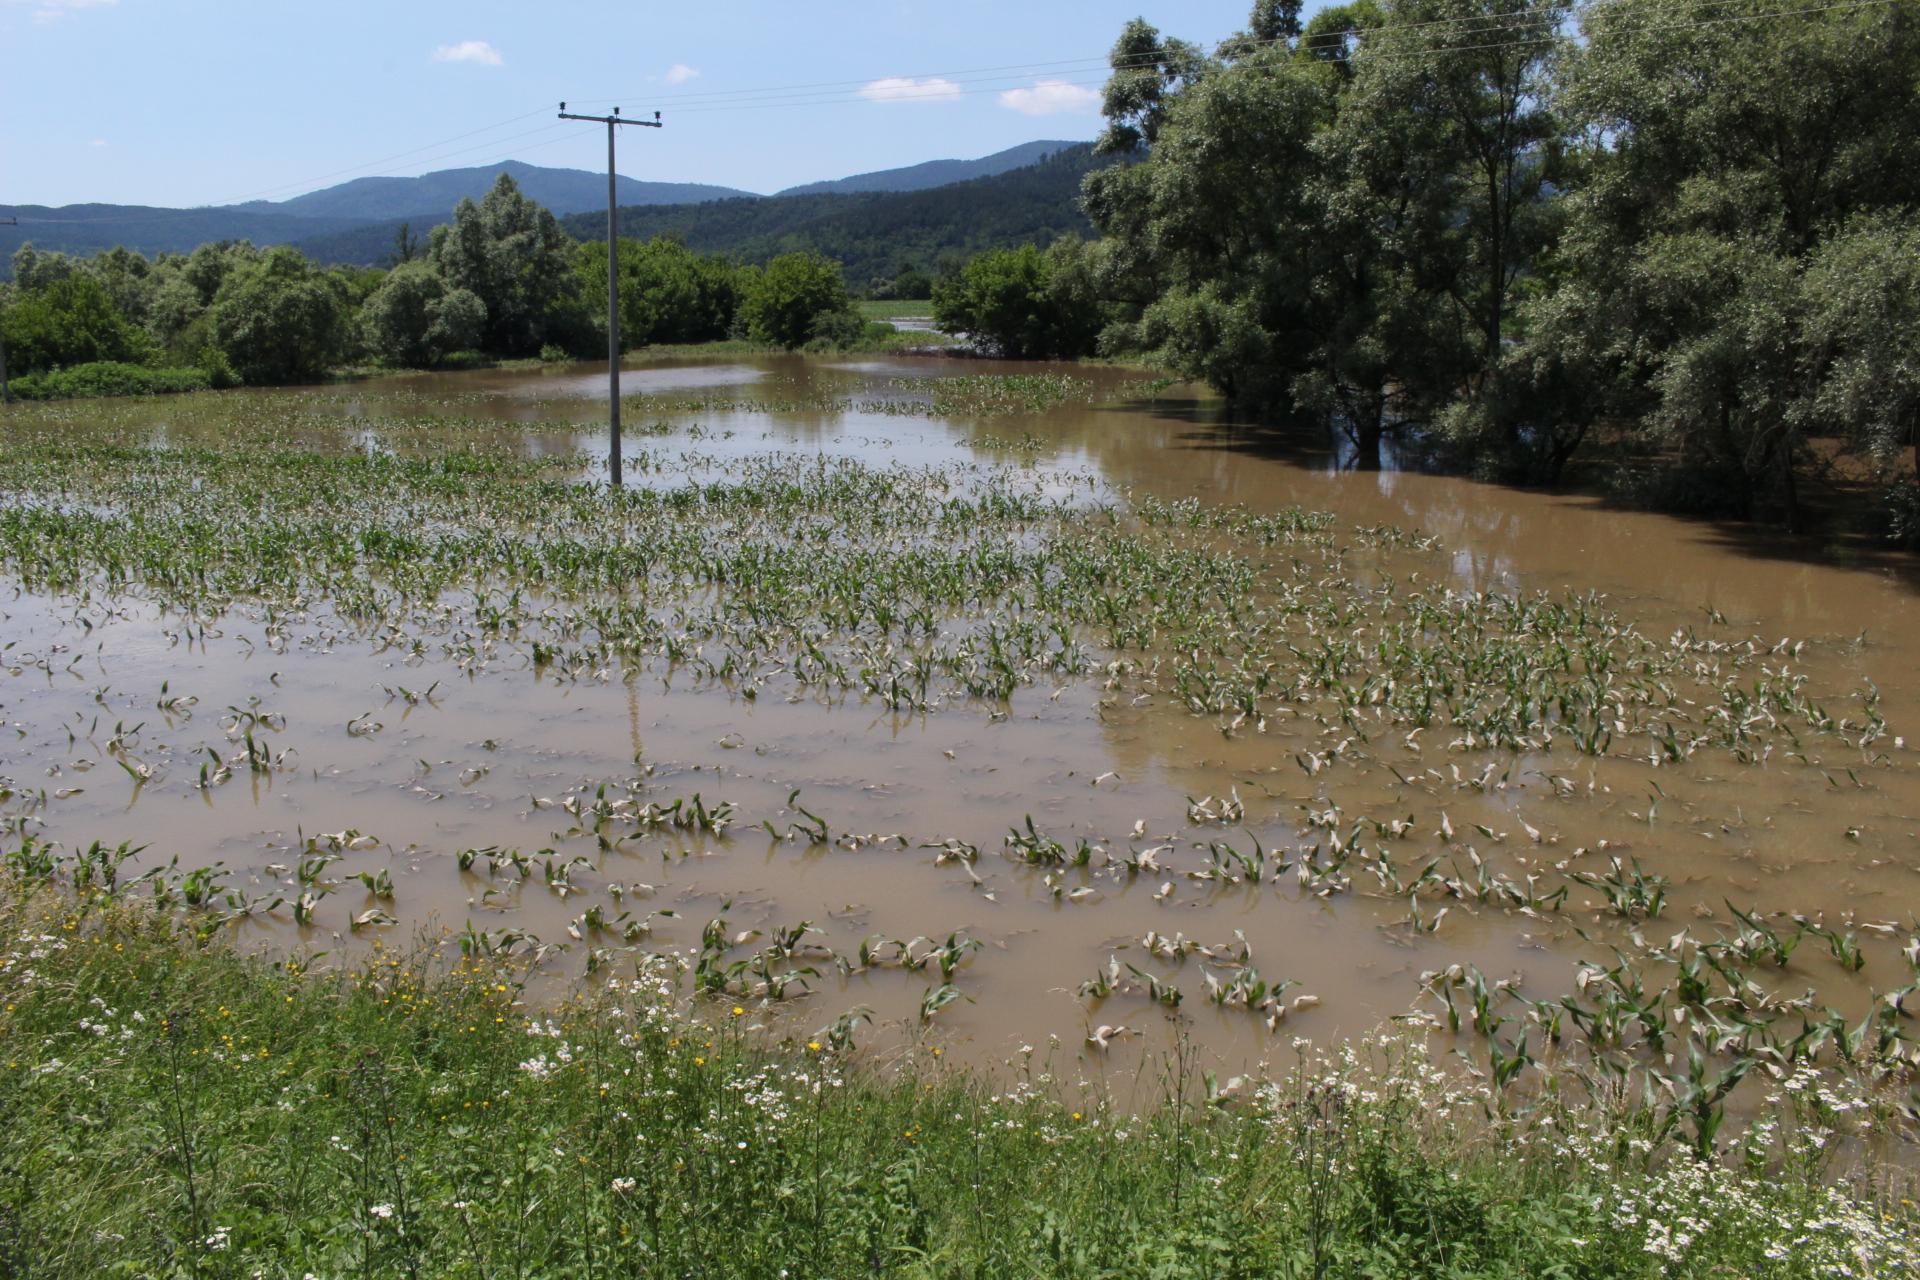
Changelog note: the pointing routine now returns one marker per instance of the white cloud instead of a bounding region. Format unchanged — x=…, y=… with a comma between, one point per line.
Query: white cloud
x=680, y=73
x=478, y=52
x=1051, y=98
x=98, y=142
x=54, y=10
x=907, y=89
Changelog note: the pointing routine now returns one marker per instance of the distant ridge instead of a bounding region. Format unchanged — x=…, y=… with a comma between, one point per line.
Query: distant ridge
x=432, y=195
x=94, y=228
x=355, y=221
x=933, y=173
x=875, y=234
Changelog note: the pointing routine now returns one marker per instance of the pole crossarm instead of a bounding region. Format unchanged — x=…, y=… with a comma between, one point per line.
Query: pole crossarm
x=614, y=464
x=645, y=124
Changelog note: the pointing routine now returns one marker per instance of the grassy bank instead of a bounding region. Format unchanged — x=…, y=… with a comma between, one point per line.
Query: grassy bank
x=171, y=1107
x=107, y=378
x=893, y=308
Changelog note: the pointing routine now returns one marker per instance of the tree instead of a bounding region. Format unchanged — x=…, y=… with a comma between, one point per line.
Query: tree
x=34, y=269
x=67, y=322
x=406, y=246
x=782, y=303
x=668, y=293
x=414, y=319
x=1213, y=238
x=1022, y=303
x=278, y=319
x=1861, y=308
x=1450, y=146
x=511, y=254
x=1149, y=70
x=1729, y=169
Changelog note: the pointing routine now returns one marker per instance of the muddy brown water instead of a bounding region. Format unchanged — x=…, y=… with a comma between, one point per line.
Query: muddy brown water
x=469, y=767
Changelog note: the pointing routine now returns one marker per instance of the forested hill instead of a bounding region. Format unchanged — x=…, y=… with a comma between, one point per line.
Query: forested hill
x=874, y=234
x=932, y=173
x=373, y=206
x=430, y=197
x=92, y=228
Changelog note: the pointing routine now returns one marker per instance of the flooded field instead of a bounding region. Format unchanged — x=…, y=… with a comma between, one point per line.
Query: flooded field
x=995, y=703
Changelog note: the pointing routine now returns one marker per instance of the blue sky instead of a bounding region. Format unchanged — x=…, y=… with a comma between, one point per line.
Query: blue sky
x=185, y=102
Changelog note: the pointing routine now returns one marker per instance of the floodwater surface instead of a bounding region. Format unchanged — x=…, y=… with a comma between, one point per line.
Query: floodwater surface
x=1222, y=814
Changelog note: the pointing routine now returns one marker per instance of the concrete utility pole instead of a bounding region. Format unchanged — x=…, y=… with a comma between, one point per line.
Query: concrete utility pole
x=613, y=282
x=6, y=397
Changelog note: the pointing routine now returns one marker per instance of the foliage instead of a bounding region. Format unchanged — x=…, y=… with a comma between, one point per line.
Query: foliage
x=1022, y=303
x=512, y=255
x=909, y=284
x=414, y=319
x=784, y=302
x=668, y=293
x=875, y=235
x=279, y=319
x=1692, y=226
x=68, y=319
x=1732, y=174
x=108, y=378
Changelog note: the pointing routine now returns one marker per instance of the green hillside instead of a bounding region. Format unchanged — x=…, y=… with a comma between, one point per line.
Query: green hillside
x=932, y=173
x=874, y=235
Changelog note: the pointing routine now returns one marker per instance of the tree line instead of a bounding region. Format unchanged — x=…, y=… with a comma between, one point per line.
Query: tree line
x=503, y=280
x=1513, y=235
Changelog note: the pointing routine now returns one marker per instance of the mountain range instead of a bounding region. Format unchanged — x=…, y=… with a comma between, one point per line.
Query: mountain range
x=1032, y=186
x=919, y=177
x=432, y=195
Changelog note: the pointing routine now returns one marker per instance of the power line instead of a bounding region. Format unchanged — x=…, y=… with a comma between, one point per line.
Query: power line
x=1142, y=61
x=398, y=155
x=842, y=91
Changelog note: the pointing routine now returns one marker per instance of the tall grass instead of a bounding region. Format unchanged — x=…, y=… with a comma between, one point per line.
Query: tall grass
x=174, y=1108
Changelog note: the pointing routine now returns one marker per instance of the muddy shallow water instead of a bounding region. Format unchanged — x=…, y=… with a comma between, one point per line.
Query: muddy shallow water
x=478, y=756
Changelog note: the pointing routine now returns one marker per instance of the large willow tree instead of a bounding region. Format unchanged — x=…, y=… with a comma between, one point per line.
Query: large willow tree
x=1496, y=230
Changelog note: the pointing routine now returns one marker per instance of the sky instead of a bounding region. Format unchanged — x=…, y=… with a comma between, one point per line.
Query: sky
x=193, y=102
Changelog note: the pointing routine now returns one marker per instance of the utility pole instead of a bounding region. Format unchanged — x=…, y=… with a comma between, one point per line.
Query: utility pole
x=613, y=282
x=6, y=397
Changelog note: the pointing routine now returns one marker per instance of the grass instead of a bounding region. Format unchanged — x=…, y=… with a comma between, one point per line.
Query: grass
x=893, y=309
x=107, y=378
x=171, y=1107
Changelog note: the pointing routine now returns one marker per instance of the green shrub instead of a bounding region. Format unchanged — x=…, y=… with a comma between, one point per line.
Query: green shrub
x=71, y=321
x=782, y=303
x=110, y=378
x=279, y=319
x=1023, y=303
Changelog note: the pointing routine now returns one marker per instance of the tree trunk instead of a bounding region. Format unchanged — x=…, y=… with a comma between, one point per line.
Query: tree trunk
x=1367, y=446
x=1792, y=488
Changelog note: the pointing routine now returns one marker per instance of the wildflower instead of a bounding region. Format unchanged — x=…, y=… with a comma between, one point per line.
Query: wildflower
x=381, y=1211
x=218, y=1240
x=813, y=1046
x=621, y=1186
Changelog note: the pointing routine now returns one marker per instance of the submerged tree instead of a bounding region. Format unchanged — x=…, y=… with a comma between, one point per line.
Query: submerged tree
x=1736, y=166
x=278, y=318
x=414, y=319
x=512, y=255
x=1025, y=303
x=784, y=302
